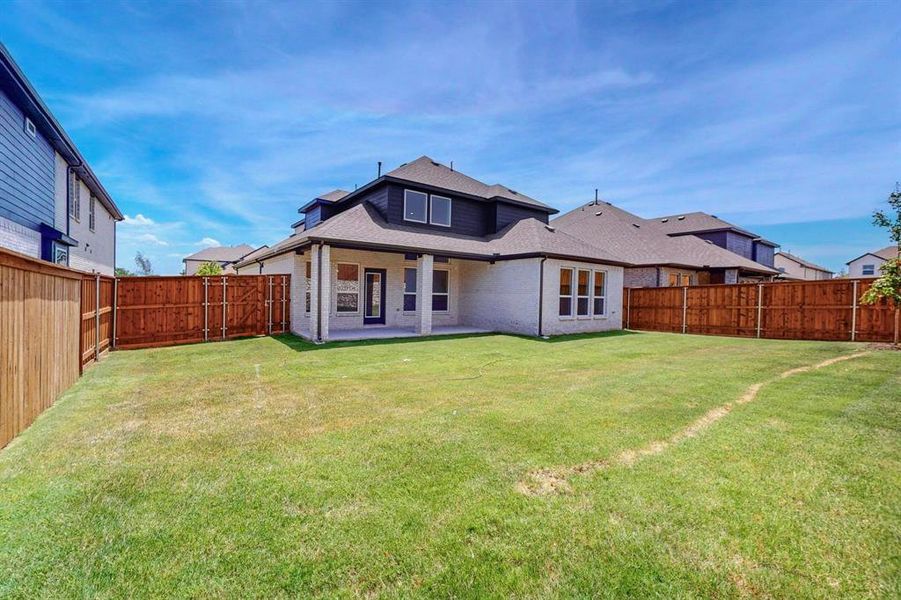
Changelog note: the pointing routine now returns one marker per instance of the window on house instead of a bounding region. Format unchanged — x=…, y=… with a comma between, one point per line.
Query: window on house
x=566, y=292
x=599, y=293
x=409, y=290
x=415, y=206
x=30, y=129
x=74, y=197
x=869, y=269
x=583, y=289
x=92, y=214
x=440, y=290
x=308, y=279
x=679, y=279
x=348, y=292
x=440, y=211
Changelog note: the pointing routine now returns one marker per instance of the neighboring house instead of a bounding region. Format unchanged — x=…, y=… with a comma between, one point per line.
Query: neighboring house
x=657, y=255
x=52, y=206
x=426, y=249
x=796, y=268
x=869, y=264
x=224, y=256
x=719, y=232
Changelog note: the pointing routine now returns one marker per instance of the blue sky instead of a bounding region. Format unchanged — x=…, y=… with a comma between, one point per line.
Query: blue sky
x=216, y=121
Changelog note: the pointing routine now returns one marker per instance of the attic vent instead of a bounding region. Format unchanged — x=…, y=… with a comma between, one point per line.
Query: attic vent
x=30, y=129
x=680, y=218
x=664, y=220
x=550, y=228
x=608, y=204
x=714, y=216
x=636, y=225
x=598, y=214
x=708, y=241
x=436, y=164
x=512, y=191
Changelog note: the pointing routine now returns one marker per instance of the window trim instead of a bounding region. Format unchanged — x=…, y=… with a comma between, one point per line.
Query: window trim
x=587, y=297
x=347, y=313
x=30, y=128
x=308, y=288
x=75, y=199
x=447, y=293
x=603, y=297
x=92, y=213
x=572, y=291
x=406, y=293
x=870, y=268
x=450, y=210
x=427, y=203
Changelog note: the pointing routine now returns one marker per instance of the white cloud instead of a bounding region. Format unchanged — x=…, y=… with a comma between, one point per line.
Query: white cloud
x=208, y=241
x=138, y=219
x=151, y=239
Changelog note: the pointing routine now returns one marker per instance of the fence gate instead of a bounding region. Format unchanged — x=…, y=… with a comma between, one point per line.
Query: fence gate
x=164, y=311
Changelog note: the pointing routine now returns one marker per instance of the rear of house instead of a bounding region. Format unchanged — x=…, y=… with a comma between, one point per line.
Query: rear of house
x=426, y=249
x=224, y=256
x=870, y=264
x=52, y=205
x=795, y=268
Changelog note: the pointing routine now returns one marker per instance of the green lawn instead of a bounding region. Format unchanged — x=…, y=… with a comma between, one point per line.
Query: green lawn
x=270, y=467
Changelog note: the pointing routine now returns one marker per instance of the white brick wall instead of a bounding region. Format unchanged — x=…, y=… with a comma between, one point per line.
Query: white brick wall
x=554, y=324
x=19, y=238
x=96, y=249
x=501, y=297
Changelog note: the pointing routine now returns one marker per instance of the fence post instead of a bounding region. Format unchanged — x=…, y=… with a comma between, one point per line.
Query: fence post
x=285, y=302
x=684, y=309
x=224, y=303
x=269, y=306
x=115, y=306
x=854, y=311
x=897, y=324
x=759, y=306
x=628, y=308
x=206, y=309
x=97, y=317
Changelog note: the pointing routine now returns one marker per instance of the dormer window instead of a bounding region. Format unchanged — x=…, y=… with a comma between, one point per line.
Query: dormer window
x=440, y=211
x=416, y=206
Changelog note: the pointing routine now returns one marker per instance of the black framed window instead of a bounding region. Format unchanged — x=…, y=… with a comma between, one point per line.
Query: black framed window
x=440, y=290
x=409, y=290
x=416, y=206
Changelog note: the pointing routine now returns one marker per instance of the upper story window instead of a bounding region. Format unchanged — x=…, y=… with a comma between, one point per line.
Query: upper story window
x=416, y=206
x=440, y=213
x=74, y=197
x=420, y=207
x=869, y=269
x=92, y=214
x=30, y=129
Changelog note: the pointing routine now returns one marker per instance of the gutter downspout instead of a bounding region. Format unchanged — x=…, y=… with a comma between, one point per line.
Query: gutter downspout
x=541, y=295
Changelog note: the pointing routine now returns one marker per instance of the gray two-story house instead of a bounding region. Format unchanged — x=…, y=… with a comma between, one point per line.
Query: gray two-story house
x=52, y=205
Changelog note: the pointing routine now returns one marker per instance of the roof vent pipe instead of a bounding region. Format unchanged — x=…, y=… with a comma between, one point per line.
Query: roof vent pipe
x=452, y=165
x=595, y=196
x=380, y=170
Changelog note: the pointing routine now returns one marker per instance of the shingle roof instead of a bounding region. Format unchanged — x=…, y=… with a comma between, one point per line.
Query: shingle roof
x=638, y=243
x=333, y=196
x=362, y=225
x=887, y=253
x=802, y=262
x=221, y=253
x=426, y=171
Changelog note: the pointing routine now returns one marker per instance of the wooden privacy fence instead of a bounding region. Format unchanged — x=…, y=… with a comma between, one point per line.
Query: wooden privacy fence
x=40, y=308
x=96, y=316
x=804, y=310
x=163, y=311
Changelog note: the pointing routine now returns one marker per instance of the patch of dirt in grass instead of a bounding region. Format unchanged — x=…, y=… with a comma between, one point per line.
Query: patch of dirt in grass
x=545, y=482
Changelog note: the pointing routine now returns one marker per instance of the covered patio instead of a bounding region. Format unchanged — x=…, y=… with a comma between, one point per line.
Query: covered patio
x=384, y=333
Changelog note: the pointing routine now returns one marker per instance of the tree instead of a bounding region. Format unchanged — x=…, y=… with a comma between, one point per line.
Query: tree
x=120, y=272
x=144, y=266
x=209, y=268
x=888, y=285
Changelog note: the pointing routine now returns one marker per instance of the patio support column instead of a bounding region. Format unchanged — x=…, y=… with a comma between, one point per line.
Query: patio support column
x=424, y=267
x=320, y=291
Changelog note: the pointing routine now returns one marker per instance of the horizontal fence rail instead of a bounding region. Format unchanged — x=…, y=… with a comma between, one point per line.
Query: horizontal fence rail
x=804, y=310
x=164, y=311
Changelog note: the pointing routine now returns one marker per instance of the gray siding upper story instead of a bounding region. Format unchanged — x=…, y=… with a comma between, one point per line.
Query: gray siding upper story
x=764, y=254
x=26, y=170
x=734, y=242
x=468, y=216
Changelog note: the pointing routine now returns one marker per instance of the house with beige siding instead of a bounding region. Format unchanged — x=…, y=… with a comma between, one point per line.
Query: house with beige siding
x=795, y=268
x=224, y=256
x=870, y=264
x=52, y=205
x=425, y=249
